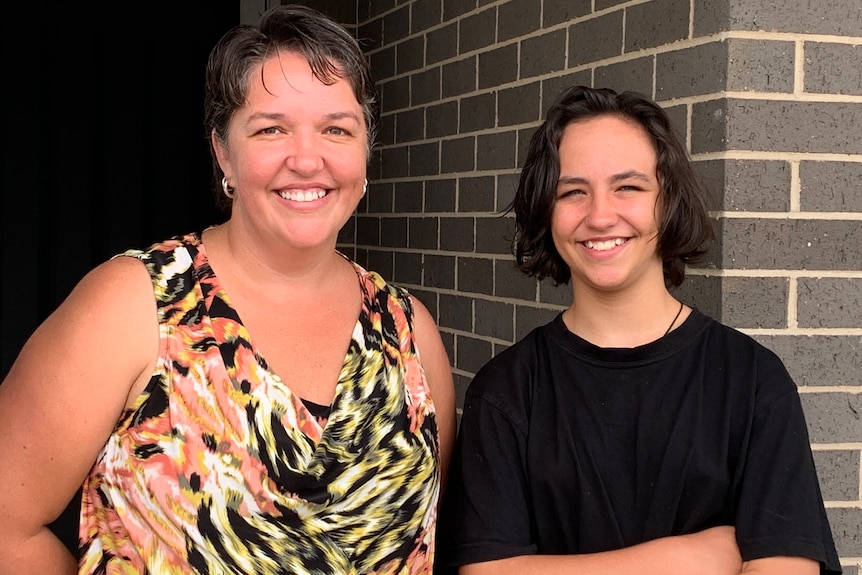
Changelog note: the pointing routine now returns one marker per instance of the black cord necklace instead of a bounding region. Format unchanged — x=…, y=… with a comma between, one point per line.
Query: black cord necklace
x=676, y=317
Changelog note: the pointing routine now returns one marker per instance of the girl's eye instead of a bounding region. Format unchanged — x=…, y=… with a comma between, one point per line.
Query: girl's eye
x=568, y=193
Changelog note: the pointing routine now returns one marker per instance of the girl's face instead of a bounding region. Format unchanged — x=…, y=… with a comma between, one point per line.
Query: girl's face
x=604, y=221
x=295, y=154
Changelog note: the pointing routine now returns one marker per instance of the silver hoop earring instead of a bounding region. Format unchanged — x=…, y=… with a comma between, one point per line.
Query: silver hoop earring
x=226, y=188
x=365, y=187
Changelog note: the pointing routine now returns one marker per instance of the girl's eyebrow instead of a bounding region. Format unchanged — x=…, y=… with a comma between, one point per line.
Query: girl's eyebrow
x=630, y=174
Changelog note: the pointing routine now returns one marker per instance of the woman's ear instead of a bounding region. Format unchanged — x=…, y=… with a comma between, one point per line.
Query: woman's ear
x=221, y=152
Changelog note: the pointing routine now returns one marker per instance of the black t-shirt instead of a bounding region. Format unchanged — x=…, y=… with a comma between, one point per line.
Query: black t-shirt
x=568, y=448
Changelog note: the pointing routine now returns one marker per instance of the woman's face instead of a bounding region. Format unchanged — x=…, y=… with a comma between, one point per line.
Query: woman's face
x=604, y=220
x=295, y=155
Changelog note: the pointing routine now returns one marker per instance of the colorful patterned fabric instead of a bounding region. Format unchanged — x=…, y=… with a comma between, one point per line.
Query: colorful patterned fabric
x=219, y=468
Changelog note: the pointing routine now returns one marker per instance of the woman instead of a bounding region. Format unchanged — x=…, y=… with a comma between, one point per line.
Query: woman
x=631, y=433
x=254, y=402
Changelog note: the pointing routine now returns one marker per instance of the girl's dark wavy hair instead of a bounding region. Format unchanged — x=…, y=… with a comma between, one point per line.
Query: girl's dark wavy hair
x=684, y=228
x=331, y=52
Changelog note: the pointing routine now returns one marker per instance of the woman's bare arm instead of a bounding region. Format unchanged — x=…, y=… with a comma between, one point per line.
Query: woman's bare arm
x=60, y=402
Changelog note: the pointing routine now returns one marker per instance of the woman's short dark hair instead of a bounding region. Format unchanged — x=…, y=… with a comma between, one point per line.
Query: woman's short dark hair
x=684, y=228
x=331, y=52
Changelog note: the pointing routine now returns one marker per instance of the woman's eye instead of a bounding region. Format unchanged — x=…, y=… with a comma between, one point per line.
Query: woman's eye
x=270, y=130
x=336, y=131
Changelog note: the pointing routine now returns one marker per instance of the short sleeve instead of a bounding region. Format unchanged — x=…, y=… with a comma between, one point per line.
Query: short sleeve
x=780, y=510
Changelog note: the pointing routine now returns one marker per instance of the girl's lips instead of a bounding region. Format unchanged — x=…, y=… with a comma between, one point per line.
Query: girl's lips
x=604, y=245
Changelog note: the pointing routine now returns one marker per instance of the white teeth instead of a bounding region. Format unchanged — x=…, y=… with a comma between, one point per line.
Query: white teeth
x=303, y=196
x=606, y=245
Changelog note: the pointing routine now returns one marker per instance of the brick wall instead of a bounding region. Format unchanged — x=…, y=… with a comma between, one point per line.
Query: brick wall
x=766, y=93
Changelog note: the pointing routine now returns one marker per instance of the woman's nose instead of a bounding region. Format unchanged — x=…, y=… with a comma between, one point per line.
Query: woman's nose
x=304, y=154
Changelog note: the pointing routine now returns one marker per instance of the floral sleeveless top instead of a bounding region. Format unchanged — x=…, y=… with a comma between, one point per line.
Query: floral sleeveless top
x=219, y=468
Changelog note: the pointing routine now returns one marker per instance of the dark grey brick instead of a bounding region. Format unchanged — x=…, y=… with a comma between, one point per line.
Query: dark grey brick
x=819, y=360
x=456, y=312
x=760, y=65
x=477, y=31
x=553, y=87
x=602, y=4
x=425, y=159
x=462, y=382
x=393, y=232
x=558, y=11
x=410, y=125
x=498, y=66
x=755, y=302
x=368, y=230
x=634, y=75
x=476, y=194
x=478, y=112
x=543, y=54
x=495, y=319
x=701, y=69
x=440, y=195
x=396, y=25
x=845, y=522
x=596, y=39
x=833, y=68
x=518, y=105
x=441, y=120
x=472, y=353
x=679, y=120
x=454, y=8
x=408, y=268
x=518, y=18
x=374, y=170
x=386, y=129
x=475, y=275
x=383, y=63
x=507, y=185
x=410, y=55
x=702, y=292
x=792, y=244
x=439, y=272
x=429, y=300
x=838, y=472
x=556, y=295
x=394, y=94
x=790, y=126
x=509, y=281
x=833, y=417
x=425, y=14
x=496, y=151
x=656, y=23
x=378, y=7
x=408, y=197
x=441, y=44
x=494, y=235
x=830, y=186
x=524, y=137
x=370, y=34
x=381, y=262
x=422, y=233
x=380, y=197
x=711, y=17
x=458, y=155
x=394, y=162
x=425, y=86
x=459, y=77
x=834, y=17
x=529, y=318
x=830, y=302
x=347, y=233
x=457, y=234
x=747, y=185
